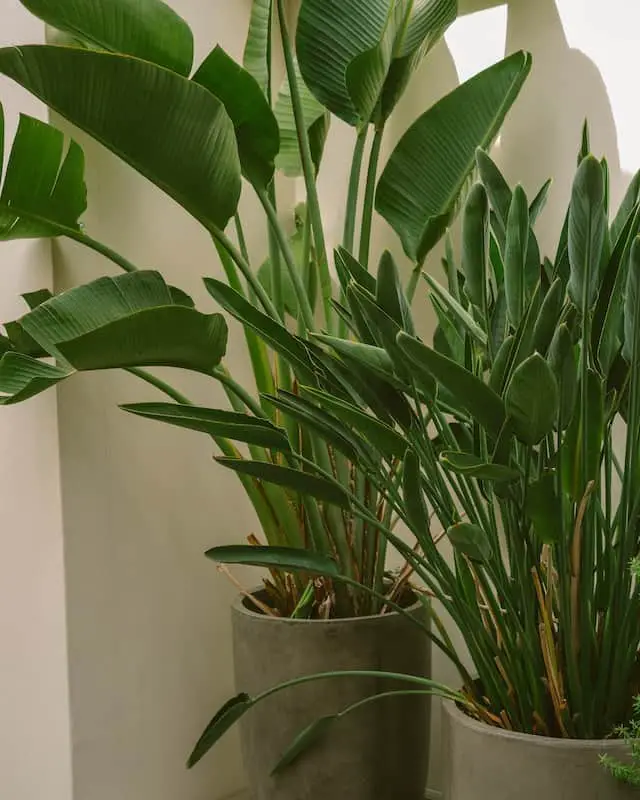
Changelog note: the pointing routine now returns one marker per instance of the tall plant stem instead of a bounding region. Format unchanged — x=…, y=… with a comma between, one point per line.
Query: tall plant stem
x=354, y=190
x=369, y=198
x=313, y=200
x=222, y=374
x=244, y=267
x=98, y=247
x=159, y=384
x=289, y=259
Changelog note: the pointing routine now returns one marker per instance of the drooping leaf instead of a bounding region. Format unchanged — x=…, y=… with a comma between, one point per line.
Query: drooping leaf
x=254, y=122
x=515, y=257
x=474, y=467
x=471, y=541
x=470, y=392
x=214, y=422
x=23, y=377
x=427, y=170
x=225, y=719
x=544, y=509
x=532, y=400
x=317, y=122
x=307, y=738
x=44, y=193
x=463, y=317
x=475, y=245
x=291, y=559
x=149, y=29
x=587, y=230
x=390, y=443
x=296, y=480
x=257, y=51
x=123, y=103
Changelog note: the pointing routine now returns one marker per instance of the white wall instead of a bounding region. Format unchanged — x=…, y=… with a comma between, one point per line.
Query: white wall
x=34, y=713
x=149, y=647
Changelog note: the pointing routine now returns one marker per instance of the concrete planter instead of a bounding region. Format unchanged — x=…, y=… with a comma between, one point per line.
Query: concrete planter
x=485, y=763
x=380, y=752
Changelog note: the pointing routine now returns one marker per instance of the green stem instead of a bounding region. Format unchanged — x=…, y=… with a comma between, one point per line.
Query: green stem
x=413, y=283
x=158, y=383
x=242, y=242
x=354, y=189
x=222, y=374
x=313, y=201
x=369, y=198
x=289, y=259
x=242, y=264
x=105, y=251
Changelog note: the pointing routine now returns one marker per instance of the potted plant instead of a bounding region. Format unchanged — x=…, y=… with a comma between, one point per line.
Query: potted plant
x=225, y=130
x=521, y=453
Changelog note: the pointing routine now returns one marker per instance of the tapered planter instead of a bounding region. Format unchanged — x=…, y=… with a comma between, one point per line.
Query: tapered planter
x=485, y=763
x=379, y=752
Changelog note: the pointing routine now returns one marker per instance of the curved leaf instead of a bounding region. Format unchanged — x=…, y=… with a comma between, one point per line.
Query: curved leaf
x=147, y=29
x=214, y=422
x=44, y=193
x=515, y=256
x=22, y=377
x=225, y=719
x=587, y=231
x=290, y=559
x=123, y=102
x=297, y=481
x=257, y=51
x=428, y=169
x=532, y=400
x=471, y=541
x=254, y=122
x=475, y=245
x=307, y=738
x=474, y=467
x=469, y=391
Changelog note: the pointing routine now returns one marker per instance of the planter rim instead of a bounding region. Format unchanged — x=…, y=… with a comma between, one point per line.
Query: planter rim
x=239, y=607
x=460, y=718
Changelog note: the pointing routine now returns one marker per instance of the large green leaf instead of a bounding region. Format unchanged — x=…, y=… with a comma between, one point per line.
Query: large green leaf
x=125, y=104
x=257, y=51
x=44, y=193
x=470, y=392
x=132, y=320
x=352, y=53
x=532, y=400
x=296, y=480
x=215, y=422
x=421, y=183
x=147, y=29
x=254, y=122
x=475, y=245
x=587, y=231
x=317, y=121
x=286, y=558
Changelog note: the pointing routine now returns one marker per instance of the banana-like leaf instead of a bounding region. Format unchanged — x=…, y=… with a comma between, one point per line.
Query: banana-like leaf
x=532, y=400
x=214, y=422
x=475, y=245
x=562, y=361
x=498, y=191
x=147, y=29
x=123, y=103
x=254, y=121
x=348, y=50
x=515, y=257
x=420, y=186
x=257, y=51
x=317, y=121
x=470, y=392
x=285, y=558
x=587, y=231
x=43, y=193
x=293, y=479
x=390, y=294
x=471, y=541
x=128, y=321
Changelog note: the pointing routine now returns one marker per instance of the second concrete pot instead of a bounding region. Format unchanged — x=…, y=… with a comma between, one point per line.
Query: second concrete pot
x=379, y=752
x=486, y=763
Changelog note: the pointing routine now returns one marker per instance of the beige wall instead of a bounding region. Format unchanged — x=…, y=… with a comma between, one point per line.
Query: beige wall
x=149, y=646
x=34, y=713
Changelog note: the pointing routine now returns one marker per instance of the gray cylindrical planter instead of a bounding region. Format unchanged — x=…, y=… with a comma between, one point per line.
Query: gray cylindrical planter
x=379, y=752
x=485, y=763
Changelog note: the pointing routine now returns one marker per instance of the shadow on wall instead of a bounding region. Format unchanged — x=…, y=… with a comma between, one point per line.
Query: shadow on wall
x=542, y=134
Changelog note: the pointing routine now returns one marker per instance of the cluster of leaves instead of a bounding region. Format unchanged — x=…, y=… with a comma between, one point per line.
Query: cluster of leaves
x=124, y=73
x=629, y=772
